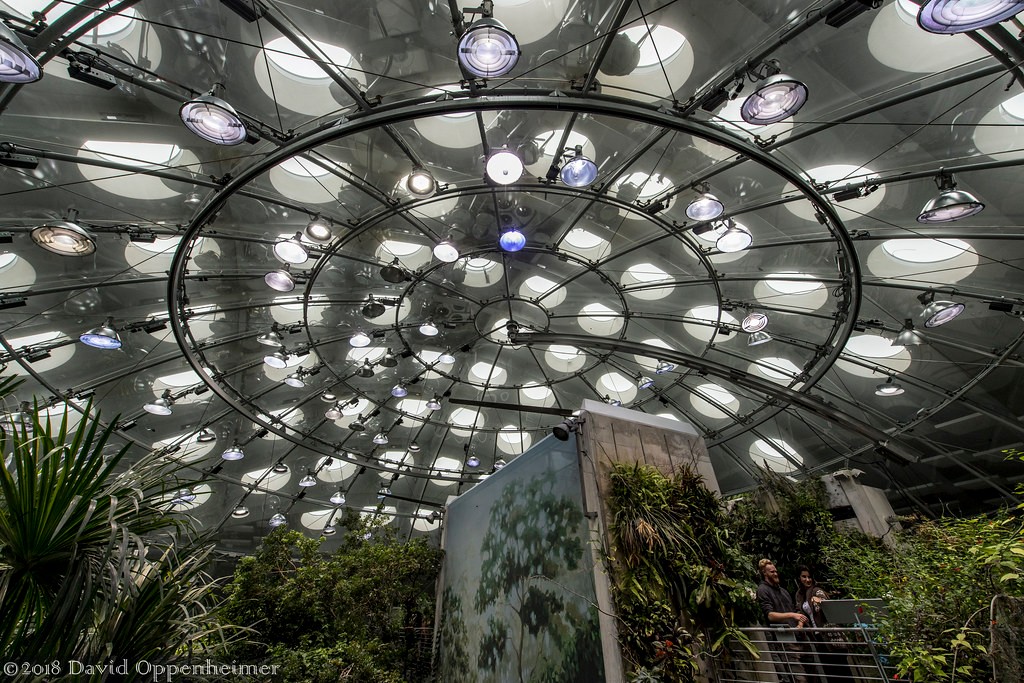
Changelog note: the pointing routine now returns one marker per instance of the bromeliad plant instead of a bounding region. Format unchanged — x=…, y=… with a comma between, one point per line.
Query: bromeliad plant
x=681, y=586
x=92, y=568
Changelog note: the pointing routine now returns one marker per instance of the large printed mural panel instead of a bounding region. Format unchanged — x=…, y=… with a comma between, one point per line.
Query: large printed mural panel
x=518, y=604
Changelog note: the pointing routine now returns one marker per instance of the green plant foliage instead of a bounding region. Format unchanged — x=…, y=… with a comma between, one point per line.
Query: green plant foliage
x=358, y=610
x=534, y=629
x=938, y=581
x=680, y=584
x=78, y=531
x=785, y=521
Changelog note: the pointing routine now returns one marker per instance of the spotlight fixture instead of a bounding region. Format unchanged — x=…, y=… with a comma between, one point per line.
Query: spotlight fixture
x=102, y=337
x=499, y=463
x=503, y=167
x=206, y=435
x=399, y=391
x=754, y=322
x=233, y=452
x=512, y=240
x=278, y=520
x=295, y=380
x=434, y=403
x=960, y=16
x=706, y=207
x=373, y=308
x=951, y=204
x=160, y=406
x=664, y=367
x=734, y=238
x=420, y=182
x=272, y=338
x=383, y=492
x=277, y=359
x=338, y=497
x=579, y=171
x=415, y=447
x=472, y=462
x=429, y=329
x=183, y=497
x=357, y=424
x=393, y=272
x=334, y=412
x=281, y=279
x=487, y=49
x=889, y=388
x=389, y=360
x=359, y=340
x=329, y=530
x=279, y=468
x=937, y=313
x=328, y=397
x=240, y=511
x=366, y=369
x=561, y=430
x=776, y=98
x=907, y=336
x=291, y=250
x=447, y=358
x=644, y=382
x=214, y=120
x=758, y=338
x=446, y=251
x=193, y=199
x=308, y=480
x=17, y=65
x=380, y=438
x=63, y=237
x=319, y=230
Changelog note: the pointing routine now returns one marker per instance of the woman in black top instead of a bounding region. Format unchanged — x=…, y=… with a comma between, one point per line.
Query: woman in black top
x=830, y=647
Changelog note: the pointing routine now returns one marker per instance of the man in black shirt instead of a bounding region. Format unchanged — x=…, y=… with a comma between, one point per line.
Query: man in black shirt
x=775, y=601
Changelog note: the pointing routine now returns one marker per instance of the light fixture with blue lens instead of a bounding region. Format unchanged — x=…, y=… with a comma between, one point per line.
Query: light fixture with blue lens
x=512, y=240
x=338, y=498
x=429, y=329
x=472, y=462
x=578, y=171
x=488, y=49
x=214, y=120
x=778, y=97
x=706, y=207
x=102, y=337
x=663, y=367
x=399, y=391
x=278, y=520
x=447, y=357
x=644, y=382
x=17, y=65
x=233, y=452
x=960, y=16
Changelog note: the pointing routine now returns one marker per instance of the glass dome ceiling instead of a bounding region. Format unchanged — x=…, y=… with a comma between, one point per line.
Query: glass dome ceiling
x=342, y=102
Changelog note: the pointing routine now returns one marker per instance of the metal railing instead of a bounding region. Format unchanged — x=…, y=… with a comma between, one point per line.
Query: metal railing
x=807, y=655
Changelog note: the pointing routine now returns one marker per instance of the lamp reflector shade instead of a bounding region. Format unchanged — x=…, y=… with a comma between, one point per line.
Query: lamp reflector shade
x=64, y=238
x=420, y=182
x=578, y=171
x=291, y=250
x=373, y=308
x=338, y=498
x=447, y=358
x=512, y=240
x=415, y=447
x=778, y=97
x=17, y=65
x=663, y=367
x=488, y=49
x=472, y=462
x=359, y=340
x=295, y=381
x=949, y=206
x=434, y=403
x=446, y=251
x=734, y=239
x=960, y=16
x=380, y=438
x=366, y=369
x=888, y=388
x=307, y=481
x=706, y=207
x=271, y=338
x=644, y=382
x=233, y=452
x=277, y=359
x=240, y=511
x=941, y=312
x=102, y=337
x=183, y=497
x=499, y=463
x=429, y=329
x=754, y=322
x=329, y=530
x=334, y=412
x=319, y=230
x=908, y=336
x=504, y=167
x=758, y=338
x=280, y=279
x=160, y=406
x=389, y=360
x=399, y=391
x=393, y=272
x=278, y=520
x=214, y=120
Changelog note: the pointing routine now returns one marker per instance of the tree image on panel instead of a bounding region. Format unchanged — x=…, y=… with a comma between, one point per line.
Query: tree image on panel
x=535, y=628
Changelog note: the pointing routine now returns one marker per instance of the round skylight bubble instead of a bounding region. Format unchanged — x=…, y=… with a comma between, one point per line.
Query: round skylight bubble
x=773, y=454
x=660, y=44
x=617, y=386
x=487, y=373
x=914, y=260
x=534, y=394
x=877, y=351
x=464, y=420
x=598, y=319
x=925, y=250
x=711, y=315
x=705, y=397
x=777, y=369
x=586, y=244
x=538, y=286
x=564, y=358
x=841, y=175
x=645, y=275
x=511, y=441
x=798, y=291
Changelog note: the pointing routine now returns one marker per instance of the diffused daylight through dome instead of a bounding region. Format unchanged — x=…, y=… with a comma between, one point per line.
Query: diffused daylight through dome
x=454, y=224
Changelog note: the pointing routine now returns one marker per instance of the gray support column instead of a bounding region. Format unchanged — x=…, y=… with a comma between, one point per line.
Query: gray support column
x=859, y=507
